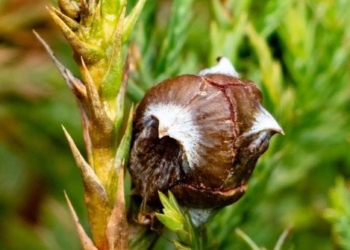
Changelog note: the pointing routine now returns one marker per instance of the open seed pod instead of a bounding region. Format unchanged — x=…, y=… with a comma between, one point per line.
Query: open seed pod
x=199, y=136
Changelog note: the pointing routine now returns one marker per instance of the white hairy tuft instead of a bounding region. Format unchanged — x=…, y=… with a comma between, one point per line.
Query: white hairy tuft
x=199, y=216
x=178, y=123
x=265, y=121
x=224, y=67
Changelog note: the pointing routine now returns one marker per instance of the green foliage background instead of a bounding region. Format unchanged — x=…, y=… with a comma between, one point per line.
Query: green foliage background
x=297, y=51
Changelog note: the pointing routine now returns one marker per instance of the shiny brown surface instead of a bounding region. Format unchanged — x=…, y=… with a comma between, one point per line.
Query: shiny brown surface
x=223, y=109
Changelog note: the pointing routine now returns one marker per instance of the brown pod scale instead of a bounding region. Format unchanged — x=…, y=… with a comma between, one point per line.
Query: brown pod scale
x=199, y=136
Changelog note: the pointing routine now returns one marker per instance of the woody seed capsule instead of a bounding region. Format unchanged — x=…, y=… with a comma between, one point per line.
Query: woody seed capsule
x=199, y=136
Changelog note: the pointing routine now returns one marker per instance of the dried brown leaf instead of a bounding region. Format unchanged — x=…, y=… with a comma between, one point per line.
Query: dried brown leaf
x=75, y=84
x=117, y=227
x=98, y=116
x=95, y=196
x=90, y=53
x=85, y=240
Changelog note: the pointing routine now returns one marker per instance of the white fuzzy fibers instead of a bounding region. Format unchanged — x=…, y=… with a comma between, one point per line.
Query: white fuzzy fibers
x=264, y=121
x=224, y=66
x=178, y=123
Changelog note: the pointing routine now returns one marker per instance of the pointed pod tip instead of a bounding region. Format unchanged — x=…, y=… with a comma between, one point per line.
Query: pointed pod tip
x=223, y=66
x=265, y=121
x=281, y=132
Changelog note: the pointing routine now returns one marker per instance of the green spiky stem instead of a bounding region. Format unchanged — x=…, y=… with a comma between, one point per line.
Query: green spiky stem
x=96, y=31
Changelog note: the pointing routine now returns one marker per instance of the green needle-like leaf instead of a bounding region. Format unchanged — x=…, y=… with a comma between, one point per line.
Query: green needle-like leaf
x=175, y=38
x=247, y=239
x=179, y=222
x=131, y=19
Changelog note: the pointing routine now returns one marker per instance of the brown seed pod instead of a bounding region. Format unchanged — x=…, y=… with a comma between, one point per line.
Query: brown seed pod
x=199, y=136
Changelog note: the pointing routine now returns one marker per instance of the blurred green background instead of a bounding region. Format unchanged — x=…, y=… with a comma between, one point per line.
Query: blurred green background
x=297, y=51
